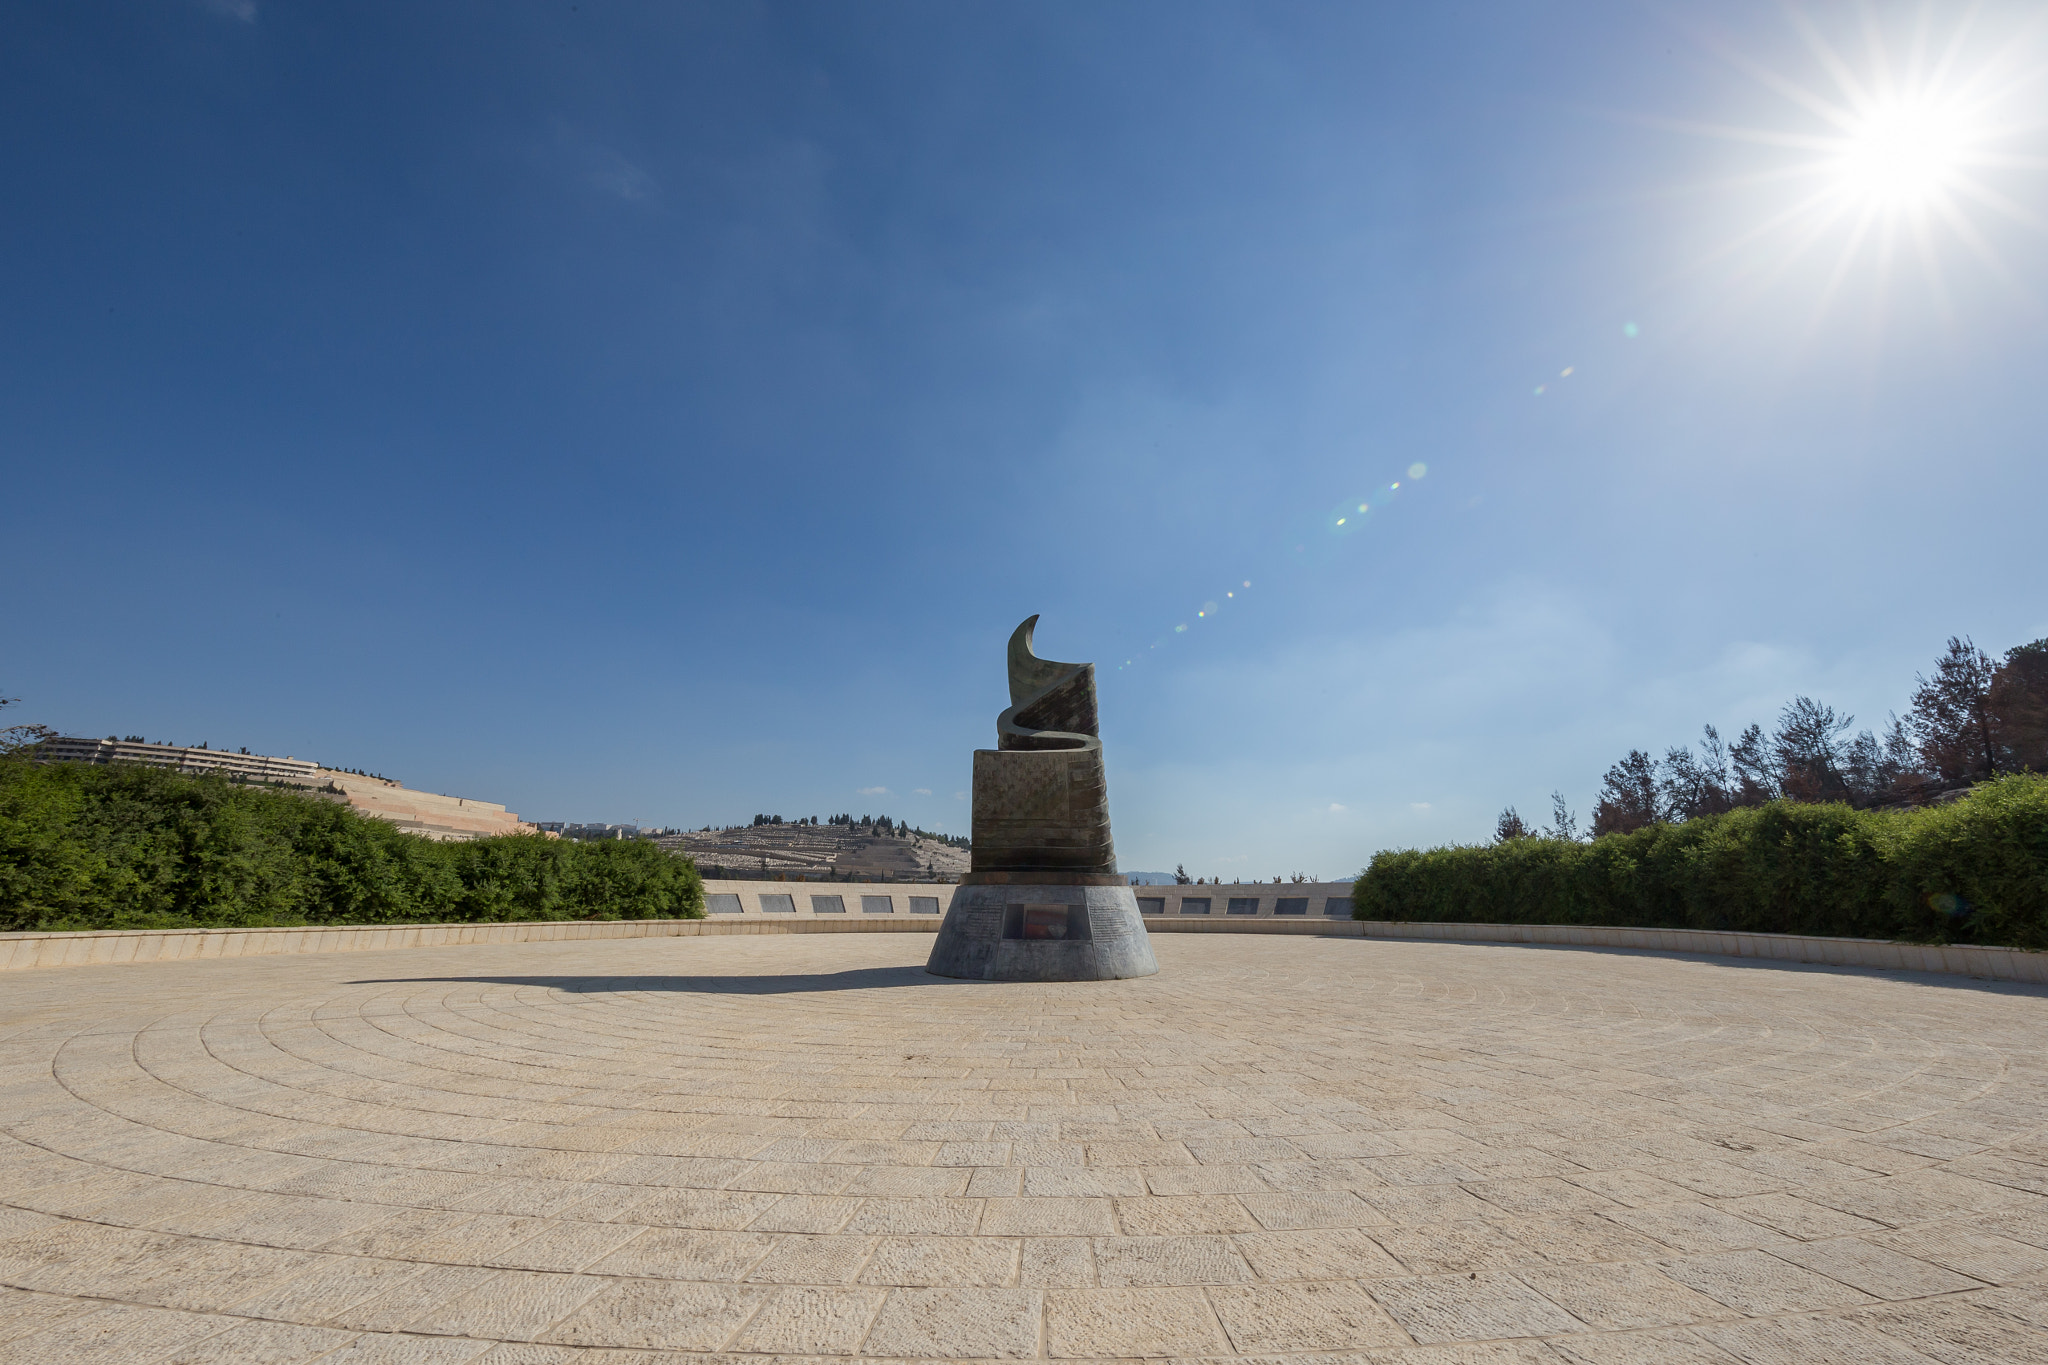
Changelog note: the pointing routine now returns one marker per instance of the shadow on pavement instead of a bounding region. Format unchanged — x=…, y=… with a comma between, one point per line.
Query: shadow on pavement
x=855, y=979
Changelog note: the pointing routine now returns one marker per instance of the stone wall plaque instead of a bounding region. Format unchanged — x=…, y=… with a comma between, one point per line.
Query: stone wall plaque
x=878, y=905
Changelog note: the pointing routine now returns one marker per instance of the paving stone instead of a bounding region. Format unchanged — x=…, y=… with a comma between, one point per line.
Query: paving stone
x=957, y=1323
x=1168, y=1261
x=1804, y=1340
x=1752, y=1282
x=1313, y=1316
x=1283, y=1152
x=1183, y=1214
x=811, y=1322
x=1669, y=1346
x=1129, y=1322
x=935, y=1262
x=1620, y=1296
x=1051, y=1262
x=260, y=1343
x=1877, y=1270
x=660, y=1313
x=1333, y=1253
x=1961, y=1332
x=1457, y=1307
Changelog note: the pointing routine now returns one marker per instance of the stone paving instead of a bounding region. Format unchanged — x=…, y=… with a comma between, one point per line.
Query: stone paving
x=1281, y=1149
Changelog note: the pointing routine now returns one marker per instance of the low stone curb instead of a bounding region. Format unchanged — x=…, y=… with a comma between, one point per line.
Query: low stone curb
x=1992, y=964
x=94, y=947
x=1959, y=959
x=21, y=952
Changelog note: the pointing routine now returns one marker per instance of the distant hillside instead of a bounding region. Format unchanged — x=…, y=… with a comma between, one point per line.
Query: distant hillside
x=823, y=852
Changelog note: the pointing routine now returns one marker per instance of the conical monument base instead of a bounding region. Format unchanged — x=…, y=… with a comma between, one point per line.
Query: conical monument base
x=1043, y=932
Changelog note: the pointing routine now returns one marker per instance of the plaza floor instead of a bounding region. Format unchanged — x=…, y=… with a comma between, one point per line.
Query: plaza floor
x=1281, y=1149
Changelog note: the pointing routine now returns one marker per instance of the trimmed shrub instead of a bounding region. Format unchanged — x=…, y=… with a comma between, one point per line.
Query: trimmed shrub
x=1974, y=871
x=129, y=846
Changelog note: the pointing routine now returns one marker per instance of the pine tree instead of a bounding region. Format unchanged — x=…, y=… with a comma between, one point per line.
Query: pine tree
x=1951, y=715
x=2019, y=708
x=1629, y=797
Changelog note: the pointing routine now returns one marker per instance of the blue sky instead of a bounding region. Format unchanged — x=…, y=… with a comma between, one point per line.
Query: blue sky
x=664, y=413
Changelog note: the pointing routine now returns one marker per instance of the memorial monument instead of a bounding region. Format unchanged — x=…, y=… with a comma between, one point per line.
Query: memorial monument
x=1044, y=901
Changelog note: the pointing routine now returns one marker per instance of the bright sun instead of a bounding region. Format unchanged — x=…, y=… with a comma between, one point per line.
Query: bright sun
x=1903, y=155
x=1912, y=140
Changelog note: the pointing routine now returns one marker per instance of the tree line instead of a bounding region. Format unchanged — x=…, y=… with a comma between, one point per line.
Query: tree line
x=874, y=824
x=1973, y=719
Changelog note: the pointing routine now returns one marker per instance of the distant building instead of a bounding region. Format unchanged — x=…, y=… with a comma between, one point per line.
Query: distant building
x=575, y=831
x=427, y=814
x=250, y=767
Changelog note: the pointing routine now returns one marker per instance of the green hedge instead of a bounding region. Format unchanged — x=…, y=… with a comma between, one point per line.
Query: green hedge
x=128, y=847
x=1973, y=871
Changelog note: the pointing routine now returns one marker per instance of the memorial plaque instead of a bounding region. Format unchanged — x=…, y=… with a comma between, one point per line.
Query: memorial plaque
x=1194, y=905
x=1111, y=923
x=1151, y=905
x=777, y=903
x=1043, y=901
x=828, y=905
x=1291, y=905
x=924, y=905
x=1338, y=905
x=1024, y=920
x=1242, y=905
x=881, y=905
x=722, y=903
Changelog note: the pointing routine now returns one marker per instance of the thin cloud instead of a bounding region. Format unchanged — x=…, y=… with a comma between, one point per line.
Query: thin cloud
x=1336, y=809
x=871, y=791
x=920, y=791
x=577, y=157
x=614, y=174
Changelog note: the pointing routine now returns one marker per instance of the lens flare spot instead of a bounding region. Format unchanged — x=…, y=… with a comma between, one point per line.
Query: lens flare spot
x=1340, y=521
x=1247, y=583
x=1628, y=329
x=1178, y=629
x=1417, y=470
x=1566, y=372
x=1540, y=388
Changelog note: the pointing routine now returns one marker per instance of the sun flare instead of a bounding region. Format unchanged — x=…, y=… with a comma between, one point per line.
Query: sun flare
x=1904, y=154
x=1899, y=144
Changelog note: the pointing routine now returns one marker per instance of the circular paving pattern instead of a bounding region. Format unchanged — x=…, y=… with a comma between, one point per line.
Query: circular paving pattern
x=1292, y=1149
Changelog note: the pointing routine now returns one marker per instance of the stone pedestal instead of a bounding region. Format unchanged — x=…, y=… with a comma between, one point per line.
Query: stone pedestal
x=1040, y=932
x=1044, y=901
